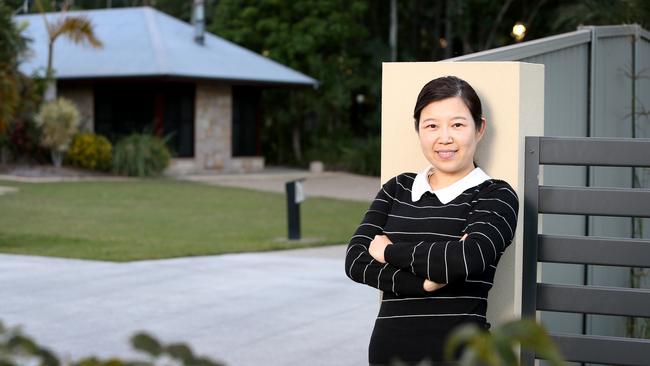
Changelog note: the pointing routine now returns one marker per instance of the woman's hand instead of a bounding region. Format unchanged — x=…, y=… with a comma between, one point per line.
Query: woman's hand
x=431, y=286
x=377, y=247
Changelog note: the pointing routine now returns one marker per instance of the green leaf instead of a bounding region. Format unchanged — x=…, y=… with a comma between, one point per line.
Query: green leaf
x=146, y=343
x=204, y=361
x=180, y=351
x=460, y=336
x=47, y=357
x=114, y=362
x=21, y=343
x=88, y=361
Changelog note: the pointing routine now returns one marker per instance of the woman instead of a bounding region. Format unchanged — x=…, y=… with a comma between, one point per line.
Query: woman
x=431, y=241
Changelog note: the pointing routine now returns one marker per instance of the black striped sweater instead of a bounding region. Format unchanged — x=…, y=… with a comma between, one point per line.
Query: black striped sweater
x=412, y=324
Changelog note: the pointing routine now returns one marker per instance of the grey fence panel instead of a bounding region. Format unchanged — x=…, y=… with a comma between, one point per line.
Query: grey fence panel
x=566, y=90
x=642, y=86
x=642, y=116
x=566, y=107
x=613, y=78
x=611, y=107
x=530, y=49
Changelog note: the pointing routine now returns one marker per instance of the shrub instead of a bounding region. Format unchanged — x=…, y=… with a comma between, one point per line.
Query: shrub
x=356, y=155
x=23, y=138
x=90, y=151
x=59, y=121
x=497, y=347
x=140, y=155
x=363, y=156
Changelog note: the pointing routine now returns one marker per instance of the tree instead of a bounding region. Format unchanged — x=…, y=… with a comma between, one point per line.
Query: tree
x=78, y=29
x=323, y=39
x=13, y=46
x=600, y=12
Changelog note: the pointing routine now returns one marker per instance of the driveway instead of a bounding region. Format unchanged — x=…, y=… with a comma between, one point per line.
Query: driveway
x=293, y=307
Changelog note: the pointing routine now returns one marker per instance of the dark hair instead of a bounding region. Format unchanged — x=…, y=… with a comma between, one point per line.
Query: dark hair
x=448, y=87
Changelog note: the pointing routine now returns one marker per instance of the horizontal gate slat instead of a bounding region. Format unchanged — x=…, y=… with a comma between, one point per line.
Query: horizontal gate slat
x=594, y=201
x=594, y=250
x=593, y=300
x=595, y=151
x=603, y=350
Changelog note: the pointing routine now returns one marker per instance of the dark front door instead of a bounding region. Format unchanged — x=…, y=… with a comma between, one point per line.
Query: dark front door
x=245, y=121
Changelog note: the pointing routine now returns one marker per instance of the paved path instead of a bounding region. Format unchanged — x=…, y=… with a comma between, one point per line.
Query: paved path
x=327, y=184
x=276, y=308
x=339, y=185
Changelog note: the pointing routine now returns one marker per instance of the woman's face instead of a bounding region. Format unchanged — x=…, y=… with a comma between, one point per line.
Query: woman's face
x=448, y=136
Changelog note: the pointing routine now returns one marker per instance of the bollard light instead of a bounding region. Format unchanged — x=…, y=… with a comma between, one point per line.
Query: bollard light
x=295, y=195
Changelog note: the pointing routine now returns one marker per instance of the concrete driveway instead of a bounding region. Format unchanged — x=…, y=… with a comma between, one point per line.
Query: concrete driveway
x=284, y=308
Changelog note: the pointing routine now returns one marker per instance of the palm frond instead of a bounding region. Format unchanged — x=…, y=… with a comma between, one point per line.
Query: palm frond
x=78, y=29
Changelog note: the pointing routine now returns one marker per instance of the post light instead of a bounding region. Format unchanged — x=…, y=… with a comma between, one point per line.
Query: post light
x=518, y=31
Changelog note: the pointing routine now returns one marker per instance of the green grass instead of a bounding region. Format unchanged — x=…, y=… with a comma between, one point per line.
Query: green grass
x=152, y=219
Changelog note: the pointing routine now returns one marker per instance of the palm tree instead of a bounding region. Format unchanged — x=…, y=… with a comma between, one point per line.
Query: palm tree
x=78, y=29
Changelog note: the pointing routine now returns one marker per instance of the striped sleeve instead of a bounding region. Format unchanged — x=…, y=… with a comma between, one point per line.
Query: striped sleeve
x=490, y=229
x=359, y=264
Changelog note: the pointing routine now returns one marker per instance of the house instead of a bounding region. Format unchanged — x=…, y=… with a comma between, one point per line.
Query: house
x=157, y=73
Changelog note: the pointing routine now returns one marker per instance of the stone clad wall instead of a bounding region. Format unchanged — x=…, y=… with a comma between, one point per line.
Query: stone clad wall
x=213, y=127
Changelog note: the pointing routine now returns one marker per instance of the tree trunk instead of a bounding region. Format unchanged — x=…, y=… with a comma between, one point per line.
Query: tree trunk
x=449, y=37
x=435, y=53
x=4, y=155
x=295, y=142
x=57, y=157
x=495, y=25
x=50, y=81
x=50, y=90
x=392, y=38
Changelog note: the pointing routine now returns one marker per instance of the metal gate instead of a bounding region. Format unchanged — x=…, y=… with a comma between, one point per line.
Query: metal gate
x=622, y=252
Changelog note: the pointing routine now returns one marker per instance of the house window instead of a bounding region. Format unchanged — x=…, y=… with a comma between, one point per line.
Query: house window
x=162, y=108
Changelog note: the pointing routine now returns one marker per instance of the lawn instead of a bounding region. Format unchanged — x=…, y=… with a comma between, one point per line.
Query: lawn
x=152, y=219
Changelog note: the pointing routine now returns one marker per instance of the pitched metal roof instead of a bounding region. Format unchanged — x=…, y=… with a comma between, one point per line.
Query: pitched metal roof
x=144, y=42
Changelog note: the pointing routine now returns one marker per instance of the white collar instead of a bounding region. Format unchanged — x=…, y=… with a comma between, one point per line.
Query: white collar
x=447, y=194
